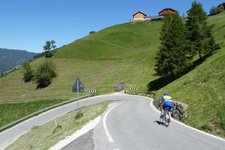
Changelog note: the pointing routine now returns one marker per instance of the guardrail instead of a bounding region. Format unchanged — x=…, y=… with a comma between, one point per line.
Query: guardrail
x=39, y=112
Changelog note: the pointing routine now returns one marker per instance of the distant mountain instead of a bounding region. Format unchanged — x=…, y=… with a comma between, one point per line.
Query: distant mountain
x=12, y=58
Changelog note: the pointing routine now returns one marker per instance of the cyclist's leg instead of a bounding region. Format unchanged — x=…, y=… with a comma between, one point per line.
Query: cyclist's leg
x=170, y=109
x=162, y=112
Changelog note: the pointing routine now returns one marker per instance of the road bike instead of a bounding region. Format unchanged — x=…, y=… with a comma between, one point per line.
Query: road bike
x=164, y=119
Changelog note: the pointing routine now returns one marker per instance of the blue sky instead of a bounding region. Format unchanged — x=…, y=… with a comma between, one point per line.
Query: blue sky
x=27, y=24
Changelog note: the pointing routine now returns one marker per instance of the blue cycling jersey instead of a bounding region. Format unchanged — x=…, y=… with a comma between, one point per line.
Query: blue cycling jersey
x=168, y=104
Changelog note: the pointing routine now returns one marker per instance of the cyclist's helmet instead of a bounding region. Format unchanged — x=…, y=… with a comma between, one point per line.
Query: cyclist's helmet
x=165, y=94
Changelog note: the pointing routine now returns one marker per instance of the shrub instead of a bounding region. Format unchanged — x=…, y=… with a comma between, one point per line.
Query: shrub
x=92, y=32
x=45, y=73
x=28, y=73
x=48, y=54
x=79, y=115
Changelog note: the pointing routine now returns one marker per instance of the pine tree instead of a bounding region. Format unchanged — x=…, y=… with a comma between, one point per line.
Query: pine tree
x=171, y=59
x=201, y=41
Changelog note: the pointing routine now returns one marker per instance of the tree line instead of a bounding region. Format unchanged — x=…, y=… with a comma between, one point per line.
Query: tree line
x=182, y=40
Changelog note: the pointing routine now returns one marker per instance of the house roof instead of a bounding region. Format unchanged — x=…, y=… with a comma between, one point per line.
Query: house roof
x=167, y=9
x=155, y=17
x=139, y=12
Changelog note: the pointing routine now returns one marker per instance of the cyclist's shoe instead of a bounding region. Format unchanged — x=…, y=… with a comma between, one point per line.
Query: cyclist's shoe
x=169, y=120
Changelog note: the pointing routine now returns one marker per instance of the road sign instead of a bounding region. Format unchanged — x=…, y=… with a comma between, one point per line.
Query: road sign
x=78, y=86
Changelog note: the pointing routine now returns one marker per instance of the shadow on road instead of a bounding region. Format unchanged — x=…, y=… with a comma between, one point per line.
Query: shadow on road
x=160, y=123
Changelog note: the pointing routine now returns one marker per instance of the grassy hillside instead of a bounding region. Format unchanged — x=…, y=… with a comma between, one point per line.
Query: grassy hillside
x=120, y=42
x=219, y=27
x=121, y=53
x=203, y=88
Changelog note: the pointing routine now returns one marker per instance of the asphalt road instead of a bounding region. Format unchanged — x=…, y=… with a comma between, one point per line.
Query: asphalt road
x=131, y=125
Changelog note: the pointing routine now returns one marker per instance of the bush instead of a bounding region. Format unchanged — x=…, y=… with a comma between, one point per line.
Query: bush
x=48, y=54
x=28, y=73
x=92, y=32
x=79, y=115
x=45, y=73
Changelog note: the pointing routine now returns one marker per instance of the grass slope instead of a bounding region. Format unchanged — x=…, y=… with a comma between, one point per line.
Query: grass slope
x=203, y=88
x=49, y=134
x=14, y=111
x=126, y=41
x=121, y=53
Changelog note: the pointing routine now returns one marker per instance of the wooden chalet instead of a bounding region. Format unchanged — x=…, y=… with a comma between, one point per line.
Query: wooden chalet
x=139, y=16
x=166, y=10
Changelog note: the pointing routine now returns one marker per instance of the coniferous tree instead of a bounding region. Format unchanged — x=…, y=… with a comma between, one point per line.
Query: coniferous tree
x=171, y=59
x=201, y=41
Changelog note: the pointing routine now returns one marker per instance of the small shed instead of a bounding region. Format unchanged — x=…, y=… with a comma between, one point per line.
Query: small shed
x=166, y=10
x=139, y=16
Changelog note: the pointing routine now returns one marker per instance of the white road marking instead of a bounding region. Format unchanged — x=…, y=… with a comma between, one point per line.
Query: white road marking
x=219, y=138
x=104, y=124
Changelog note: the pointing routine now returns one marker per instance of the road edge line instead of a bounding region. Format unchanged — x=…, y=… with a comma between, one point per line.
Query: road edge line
x=105, y=126
x=187, y=126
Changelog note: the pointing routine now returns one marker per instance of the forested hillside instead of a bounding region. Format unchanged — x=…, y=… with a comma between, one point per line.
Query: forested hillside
x=10, y=59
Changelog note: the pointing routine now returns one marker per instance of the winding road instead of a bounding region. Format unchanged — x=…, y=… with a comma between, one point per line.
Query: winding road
x=130, y=124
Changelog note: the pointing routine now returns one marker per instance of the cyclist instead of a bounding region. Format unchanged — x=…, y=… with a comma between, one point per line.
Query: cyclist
x=166, y=102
